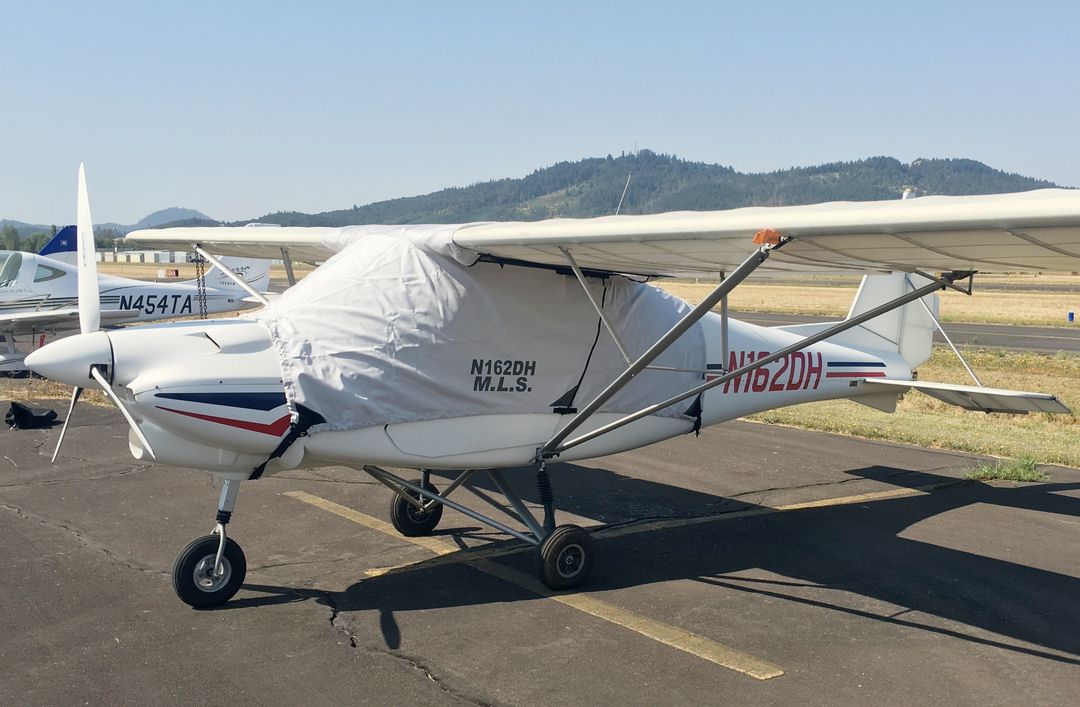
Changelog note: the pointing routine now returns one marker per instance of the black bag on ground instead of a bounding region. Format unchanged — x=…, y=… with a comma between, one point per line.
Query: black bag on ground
x=24, y=417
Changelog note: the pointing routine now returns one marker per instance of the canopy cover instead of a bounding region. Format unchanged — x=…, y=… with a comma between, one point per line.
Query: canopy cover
x=403, y=325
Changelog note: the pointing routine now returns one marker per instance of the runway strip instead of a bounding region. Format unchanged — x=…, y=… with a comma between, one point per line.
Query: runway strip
x=1014, y=337
x=675, y=637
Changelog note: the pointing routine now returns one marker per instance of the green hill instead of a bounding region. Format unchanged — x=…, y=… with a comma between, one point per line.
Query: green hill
x=591, y=187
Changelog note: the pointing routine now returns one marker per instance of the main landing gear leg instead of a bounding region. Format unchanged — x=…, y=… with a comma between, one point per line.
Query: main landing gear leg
x=211, y=569
x=547, y=498
x=565, y=554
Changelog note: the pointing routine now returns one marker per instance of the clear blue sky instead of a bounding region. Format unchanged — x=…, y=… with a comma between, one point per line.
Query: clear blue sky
x=239, y=108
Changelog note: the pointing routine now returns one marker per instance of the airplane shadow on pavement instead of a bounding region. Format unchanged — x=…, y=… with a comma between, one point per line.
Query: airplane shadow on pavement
x=853, y=548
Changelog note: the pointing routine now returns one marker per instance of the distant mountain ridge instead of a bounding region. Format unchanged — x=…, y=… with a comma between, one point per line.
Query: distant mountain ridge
x=158, y=218
x=169, y=215
x=592, y=186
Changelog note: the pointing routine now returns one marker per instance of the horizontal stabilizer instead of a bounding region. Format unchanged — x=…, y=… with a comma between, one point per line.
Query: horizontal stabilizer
x=969, y=397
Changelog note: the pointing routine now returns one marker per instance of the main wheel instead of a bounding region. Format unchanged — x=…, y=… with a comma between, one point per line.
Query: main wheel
x=409, y=520
x=566, y=556
x=193, y=574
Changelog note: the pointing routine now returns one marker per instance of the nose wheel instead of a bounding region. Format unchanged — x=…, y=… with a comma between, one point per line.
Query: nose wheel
x=200, y=581
x=210, y=570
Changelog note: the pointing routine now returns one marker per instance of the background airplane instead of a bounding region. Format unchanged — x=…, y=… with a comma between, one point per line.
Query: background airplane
x=61, y=246
x=39, y=295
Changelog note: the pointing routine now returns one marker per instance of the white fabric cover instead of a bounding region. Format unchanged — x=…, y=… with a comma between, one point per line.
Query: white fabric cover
x=403, y=325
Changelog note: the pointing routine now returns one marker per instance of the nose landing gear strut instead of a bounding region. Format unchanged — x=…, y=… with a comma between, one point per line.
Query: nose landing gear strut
x=210, y=570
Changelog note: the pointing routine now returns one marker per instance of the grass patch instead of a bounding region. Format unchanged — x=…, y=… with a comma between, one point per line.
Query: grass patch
x=1022, y=469
x=926, y=422
x=24, y=389
x=986, y=307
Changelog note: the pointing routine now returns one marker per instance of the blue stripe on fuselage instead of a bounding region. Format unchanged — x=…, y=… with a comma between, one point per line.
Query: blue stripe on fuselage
x=248, y=401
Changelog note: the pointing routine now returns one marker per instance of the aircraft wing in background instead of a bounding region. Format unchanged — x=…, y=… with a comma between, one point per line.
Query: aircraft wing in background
x=24, y=322
x=1028, y=231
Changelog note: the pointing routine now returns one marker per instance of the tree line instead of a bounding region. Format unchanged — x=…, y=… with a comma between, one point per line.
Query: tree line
x=592, y=187
x=32, y=243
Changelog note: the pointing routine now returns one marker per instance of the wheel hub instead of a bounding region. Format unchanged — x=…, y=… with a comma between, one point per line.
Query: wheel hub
x=417, y=514
x=569, y=562
x=204, y=576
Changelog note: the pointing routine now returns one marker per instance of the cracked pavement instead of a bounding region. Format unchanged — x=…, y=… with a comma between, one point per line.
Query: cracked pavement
x=965, y=593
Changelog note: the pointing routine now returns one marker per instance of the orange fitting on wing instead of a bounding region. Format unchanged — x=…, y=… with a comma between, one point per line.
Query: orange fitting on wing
x=766, y=236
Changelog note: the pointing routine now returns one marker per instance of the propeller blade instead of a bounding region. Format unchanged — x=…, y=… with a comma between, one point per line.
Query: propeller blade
x=89, y=300
x=75, y=393
x=127, y=415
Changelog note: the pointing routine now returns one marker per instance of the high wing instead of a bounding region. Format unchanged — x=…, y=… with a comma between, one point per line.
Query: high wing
x=1028, y=231
x=306, y=243
x=22, y=322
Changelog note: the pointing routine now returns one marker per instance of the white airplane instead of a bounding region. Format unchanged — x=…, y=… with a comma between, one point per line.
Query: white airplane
x=38, y=295
x=500, y=345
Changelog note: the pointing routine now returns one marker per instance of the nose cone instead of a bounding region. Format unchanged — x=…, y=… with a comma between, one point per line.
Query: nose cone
x=69, y=360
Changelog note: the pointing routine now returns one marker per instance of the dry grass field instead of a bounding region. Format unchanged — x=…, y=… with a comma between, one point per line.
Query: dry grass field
x=985, y=307
x=823, y=295
x=922, y=420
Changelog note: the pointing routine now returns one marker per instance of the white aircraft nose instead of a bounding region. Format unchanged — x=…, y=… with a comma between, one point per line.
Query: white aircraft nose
x=69, y=360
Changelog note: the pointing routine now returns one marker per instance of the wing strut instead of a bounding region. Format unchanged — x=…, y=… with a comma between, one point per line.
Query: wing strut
x=596, y=305
x=231, y=275
x=759, y=256
x=945, y=336
x=723, y=327
x=287, y=260
x=559, y=444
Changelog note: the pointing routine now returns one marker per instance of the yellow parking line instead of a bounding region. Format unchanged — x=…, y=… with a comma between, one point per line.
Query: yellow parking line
x=675, y=637
x=431, y=544
x=667, y=634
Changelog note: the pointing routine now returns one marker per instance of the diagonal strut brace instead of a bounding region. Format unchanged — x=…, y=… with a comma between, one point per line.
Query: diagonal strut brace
x=759, y=256
x=231, y=275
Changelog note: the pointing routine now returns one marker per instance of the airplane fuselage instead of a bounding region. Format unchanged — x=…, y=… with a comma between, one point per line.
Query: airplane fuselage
x=209, y=395
x=44, y=284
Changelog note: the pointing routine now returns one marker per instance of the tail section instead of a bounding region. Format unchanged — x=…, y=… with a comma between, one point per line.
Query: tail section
x=908, y=330
x=254, y=271
x=62, y=246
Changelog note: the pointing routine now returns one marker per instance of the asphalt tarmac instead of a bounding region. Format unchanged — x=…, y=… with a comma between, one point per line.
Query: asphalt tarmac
x=752, y=565
x=1042, y=339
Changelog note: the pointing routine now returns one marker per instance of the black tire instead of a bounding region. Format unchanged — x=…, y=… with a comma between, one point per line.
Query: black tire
x=409, y=521
x=566, y=557
x=193, y=578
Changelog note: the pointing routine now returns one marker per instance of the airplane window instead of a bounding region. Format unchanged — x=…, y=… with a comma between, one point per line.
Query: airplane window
x=44, y=273
x=9, y=268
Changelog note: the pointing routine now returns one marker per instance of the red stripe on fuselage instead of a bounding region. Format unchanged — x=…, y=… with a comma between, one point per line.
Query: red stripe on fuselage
x=275, y=429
